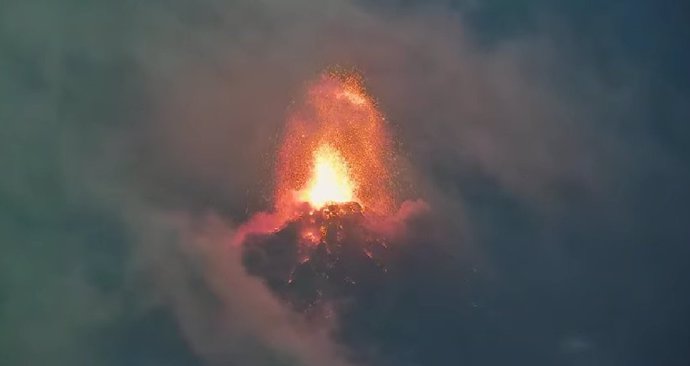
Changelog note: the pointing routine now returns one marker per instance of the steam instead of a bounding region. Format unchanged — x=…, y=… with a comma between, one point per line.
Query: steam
x=224, y=313
x=138, y=137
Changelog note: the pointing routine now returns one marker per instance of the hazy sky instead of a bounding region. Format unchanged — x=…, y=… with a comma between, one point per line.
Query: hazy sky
x=550, y=140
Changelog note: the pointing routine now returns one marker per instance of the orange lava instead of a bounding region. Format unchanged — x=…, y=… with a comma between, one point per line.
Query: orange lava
x=336, y=149
x=330, y=180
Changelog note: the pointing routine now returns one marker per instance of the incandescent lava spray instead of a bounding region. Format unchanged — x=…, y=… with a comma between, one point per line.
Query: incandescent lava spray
x=336, y=207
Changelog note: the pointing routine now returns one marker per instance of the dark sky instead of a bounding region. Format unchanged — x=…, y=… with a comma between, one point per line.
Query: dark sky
x=550, y=140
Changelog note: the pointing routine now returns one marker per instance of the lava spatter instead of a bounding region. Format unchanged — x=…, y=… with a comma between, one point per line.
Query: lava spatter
x=336, y=148
x=335, y=184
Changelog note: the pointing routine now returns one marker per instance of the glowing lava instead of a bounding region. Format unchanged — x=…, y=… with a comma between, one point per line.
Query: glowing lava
x=336, y=149
x=336, y=207
x=330, y=181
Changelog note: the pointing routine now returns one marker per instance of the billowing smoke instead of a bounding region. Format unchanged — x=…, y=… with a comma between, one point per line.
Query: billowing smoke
x=139, y=138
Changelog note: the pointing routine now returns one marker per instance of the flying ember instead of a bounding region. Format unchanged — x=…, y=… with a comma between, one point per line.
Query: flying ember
x=336, y=208
x=336, y=149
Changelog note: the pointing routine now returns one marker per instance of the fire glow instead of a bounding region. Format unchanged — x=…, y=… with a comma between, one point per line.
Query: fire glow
x=336, y=207
x=336, y=149
x=336, y=162
x=330, y=181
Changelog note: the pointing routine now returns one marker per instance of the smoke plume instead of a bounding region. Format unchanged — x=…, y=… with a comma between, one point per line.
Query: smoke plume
x=138, y=139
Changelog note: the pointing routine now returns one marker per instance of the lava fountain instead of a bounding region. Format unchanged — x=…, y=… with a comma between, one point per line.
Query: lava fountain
x=336, y=149
x=330, y=181
x=334, y=201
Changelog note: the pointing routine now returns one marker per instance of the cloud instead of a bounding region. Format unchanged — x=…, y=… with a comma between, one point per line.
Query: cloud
x=226, y=315
x=137, y=136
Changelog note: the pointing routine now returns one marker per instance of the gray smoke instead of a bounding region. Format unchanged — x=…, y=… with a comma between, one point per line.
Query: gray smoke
x=137, y=135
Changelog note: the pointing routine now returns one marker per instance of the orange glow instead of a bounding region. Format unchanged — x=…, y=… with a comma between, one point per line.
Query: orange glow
x=330, y=181
x=336, y=148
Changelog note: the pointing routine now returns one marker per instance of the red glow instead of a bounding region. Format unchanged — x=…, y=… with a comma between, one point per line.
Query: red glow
x=336, y=149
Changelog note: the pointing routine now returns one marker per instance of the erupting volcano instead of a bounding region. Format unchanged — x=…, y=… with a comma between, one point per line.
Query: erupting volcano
x=336, y=149
x=334, y=201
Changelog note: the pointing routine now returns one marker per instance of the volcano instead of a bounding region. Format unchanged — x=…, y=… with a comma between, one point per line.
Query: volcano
x=327, y=239
x=324, y=257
